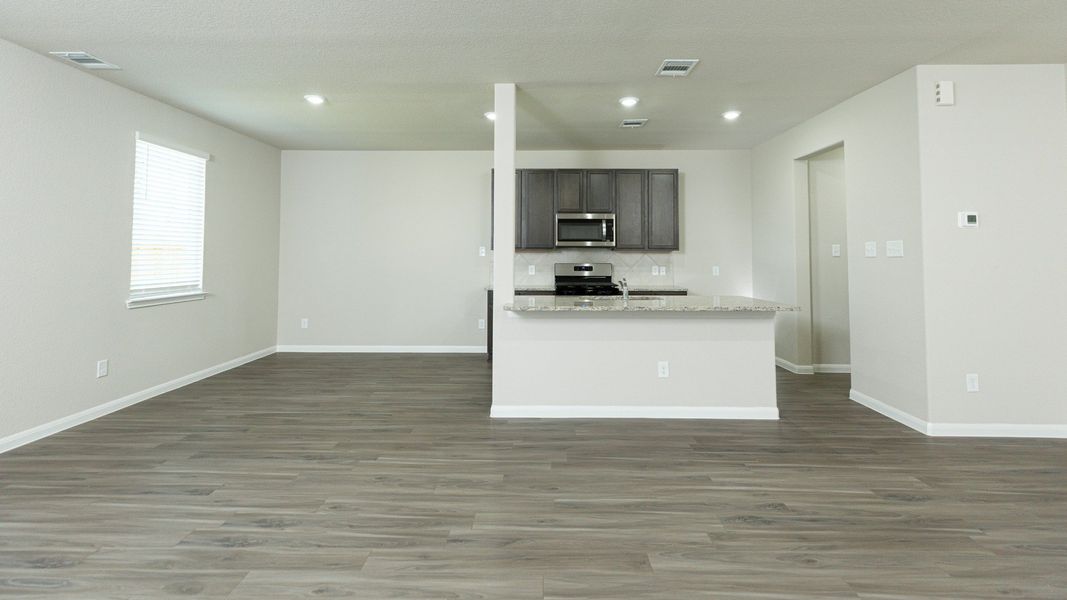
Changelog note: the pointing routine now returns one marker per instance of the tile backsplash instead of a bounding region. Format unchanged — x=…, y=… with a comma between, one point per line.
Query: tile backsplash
x=636, y=267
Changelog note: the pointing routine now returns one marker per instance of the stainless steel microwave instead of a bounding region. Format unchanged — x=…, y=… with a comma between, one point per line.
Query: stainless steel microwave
x=585, y=229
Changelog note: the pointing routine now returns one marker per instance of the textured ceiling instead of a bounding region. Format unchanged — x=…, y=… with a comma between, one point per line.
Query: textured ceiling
x=406, y=74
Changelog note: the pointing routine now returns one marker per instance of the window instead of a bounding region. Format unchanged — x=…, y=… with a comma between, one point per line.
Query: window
x=167, y=255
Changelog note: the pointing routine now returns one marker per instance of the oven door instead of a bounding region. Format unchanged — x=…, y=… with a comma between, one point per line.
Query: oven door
x=588, y=230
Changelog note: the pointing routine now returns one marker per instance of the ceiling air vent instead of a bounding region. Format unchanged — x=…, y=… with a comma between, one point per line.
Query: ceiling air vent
x=84, y=59
x=677, y=67
x=633, y=123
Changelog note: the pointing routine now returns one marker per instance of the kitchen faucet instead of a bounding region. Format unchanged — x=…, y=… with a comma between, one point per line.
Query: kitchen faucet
x=625, y=290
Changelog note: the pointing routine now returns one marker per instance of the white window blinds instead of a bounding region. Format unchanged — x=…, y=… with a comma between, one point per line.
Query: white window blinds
x=167, y=259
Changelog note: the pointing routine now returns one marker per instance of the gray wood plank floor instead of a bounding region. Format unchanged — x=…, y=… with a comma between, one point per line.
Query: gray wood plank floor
x=381, y=476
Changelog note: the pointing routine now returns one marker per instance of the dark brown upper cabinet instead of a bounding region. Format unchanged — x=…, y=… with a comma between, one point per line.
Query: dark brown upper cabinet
x=599, y=191
x=631, y=200
x=570, y=192
x=645, y=203
x=538, y=208
x=662, y=209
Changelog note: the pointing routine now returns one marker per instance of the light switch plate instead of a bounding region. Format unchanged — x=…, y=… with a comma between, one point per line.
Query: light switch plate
x=481, y=250
x=304, y=323
x=870, y=249
x=715, y=271
x=481, y=323
x=663, y=270
x=532, y=270
x=101, y=368
x=894, y=248
x=972, y=382
x=655, y=269
x=663, y=369
x=835, y=249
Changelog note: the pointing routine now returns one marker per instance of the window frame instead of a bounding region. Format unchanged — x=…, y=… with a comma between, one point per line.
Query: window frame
x=167, y=297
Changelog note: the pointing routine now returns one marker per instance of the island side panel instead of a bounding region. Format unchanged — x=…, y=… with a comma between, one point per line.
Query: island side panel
x=604, y=364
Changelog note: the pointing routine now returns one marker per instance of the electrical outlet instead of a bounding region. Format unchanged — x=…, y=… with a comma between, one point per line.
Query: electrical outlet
x=481, y=323
x=835, y=249
x=101, y=368
x=972, y=382
x=655, y=269
x=715, y=271
x=870, y=249
x=481, y=250
x=532, y=270
x=304, y=323
x=663, y=369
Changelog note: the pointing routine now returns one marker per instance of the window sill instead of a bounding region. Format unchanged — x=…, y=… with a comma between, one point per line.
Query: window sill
x=160, y=300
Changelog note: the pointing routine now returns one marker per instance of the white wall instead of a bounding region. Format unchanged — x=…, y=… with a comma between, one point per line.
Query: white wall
x=357, y=223
x=381, y=248
x=994, y=296
x=66, y=189
x=829, y=273
x=879, y=129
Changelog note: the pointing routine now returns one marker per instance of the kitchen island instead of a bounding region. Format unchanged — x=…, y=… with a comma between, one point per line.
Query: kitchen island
x=646, y=357
x=640, y=302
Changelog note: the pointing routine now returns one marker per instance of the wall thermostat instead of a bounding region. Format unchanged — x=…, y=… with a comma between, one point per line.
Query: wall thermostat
x=968, y=220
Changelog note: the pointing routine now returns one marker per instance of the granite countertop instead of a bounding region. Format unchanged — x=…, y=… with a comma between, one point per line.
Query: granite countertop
x=646, y=304
x=552, y=289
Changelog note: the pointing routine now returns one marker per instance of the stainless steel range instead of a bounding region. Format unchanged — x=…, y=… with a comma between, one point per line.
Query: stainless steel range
x=585, y=279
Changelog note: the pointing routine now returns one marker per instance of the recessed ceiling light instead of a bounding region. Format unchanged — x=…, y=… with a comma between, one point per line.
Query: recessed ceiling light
x=628, y=101
x=315, y=99
x=490, y=115
x=731, y=115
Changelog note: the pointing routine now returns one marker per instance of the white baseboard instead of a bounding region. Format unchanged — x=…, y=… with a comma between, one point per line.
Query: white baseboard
x=385, y=349
x=42, y=431
x=794, y=368
x=996, y=430
x=960, y=429
x=538, y=411
x=893, y=413
x=832, y=368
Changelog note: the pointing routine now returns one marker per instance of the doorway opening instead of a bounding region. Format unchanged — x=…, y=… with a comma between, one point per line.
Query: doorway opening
x=823, y=331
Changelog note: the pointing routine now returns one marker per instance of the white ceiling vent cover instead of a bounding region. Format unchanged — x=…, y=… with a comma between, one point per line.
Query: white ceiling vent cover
x=84, y=59
x=633, y=123
x=677, y=67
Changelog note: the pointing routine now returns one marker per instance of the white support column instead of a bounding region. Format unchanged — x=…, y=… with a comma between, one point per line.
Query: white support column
x=503, y=226
x=503, y=198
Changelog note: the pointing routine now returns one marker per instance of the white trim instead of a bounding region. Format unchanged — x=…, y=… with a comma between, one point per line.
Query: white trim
x=385, y=349
x=893, y=413
x=832, y=368
x=960, y=429
x=566, y=411
x=793, y=368
x=166, y=299
x=996, y=430
x=159, y=141
x=42, y=431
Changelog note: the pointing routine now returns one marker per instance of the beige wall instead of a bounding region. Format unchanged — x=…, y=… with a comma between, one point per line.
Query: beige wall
x=879, y=129
x=994, y=295
x=66, y=189
x=829, y=273
x=410, y=223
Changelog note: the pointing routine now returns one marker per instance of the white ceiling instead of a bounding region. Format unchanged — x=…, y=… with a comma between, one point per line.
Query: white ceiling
x=415, y=74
